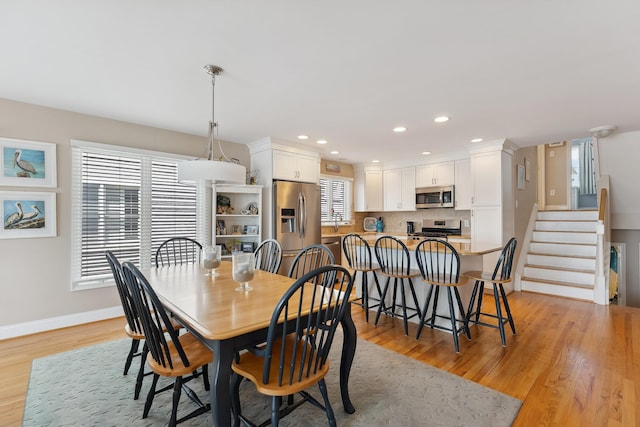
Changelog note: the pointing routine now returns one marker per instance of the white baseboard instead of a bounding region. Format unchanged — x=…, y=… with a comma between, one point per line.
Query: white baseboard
x=27, y=328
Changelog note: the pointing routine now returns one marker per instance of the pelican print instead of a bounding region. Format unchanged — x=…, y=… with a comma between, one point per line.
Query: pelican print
x=23, y=164
x=15, y=217
x=34, y=213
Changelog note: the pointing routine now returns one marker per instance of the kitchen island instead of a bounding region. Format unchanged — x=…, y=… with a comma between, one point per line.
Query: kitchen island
x=471, y=258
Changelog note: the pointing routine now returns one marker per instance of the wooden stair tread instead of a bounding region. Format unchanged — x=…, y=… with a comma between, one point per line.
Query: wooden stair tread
x=562, y=255
x=557, y=283
x=564, y=243
x=569, y=269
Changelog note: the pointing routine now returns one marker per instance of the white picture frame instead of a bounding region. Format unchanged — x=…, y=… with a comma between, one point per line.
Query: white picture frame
x=38, y=218
x=39, y=169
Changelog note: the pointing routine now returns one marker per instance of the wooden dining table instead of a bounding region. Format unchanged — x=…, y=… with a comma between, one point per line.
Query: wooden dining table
x=228, y=321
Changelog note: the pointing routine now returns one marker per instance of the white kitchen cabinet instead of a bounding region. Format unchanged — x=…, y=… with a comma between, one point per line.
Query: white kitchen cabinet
x=399, y=189
x=368, y=189
x=492, y=219
x=295, y=167
x=462, y=187
x=435, y=174
x=237, y=226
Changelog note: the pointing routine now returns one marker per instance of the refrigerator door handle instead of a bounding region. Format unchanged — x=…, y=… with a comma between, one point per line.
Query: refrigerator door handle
x=303, y=215
x=300, y=215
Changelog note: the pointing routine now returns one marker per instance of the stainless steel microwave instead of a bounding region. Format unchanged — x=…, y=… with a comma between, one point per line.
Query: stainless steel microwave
x=435, y=197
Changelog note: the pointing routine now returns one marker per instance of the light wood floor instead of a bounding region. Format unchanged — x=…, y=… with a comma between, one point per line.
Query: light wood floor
x=572, y=363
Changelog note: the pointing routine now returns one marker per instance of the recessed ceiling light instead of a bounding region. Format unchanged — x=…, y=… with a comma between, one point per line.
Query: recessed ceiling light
x=303, y=137
x=375, y=161
x=476, y=140
x=399, y=129
x=441, y=119
x=426, y=152
x=335, y=152
x=321, y=141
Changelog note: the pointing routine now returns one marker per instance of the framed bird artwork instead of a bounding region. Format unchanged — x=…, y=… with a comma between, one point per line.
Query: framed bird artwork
x=27, y=214
x=27, y=163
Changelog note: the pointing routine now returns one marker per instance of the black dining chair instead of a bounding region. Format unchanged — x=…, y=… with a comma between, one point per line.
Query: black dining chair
x=359, y=258
x=268, y=256
x=295, y=355
x=178, y=251
x=501, y=275
x=395, y=263
x=439, y=265
x=133, y=327
x=170, y=354
x=310, y=258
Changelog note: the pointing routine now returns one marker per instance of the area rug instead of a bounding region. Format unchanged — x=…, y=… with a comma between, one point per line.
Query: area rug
x=86, y=387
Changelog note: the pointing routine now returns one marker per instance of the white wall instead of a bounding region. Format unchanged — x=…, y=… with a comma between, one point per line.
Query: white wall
x=33, y=291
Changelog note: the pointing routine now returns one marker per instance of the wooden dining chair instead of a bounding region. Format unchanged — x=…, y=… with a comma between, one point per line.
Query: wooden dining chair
x=309, y=259
x=268, y=256
x=501, y=275
x=178, y=251
x=133, y=327
x=359, y=258
x=395, y=263
x=170, y=354
x=295, y=356
x=439, y=265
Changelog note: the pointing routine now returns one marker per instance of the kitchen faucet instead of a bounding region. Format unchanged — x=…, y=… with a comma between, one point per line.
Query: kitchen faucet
x=336, y=224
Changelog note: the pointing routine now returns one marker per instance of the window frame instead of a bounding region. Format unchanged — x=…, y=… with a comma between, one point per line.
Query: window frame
x=348, y=203
x=146, y=157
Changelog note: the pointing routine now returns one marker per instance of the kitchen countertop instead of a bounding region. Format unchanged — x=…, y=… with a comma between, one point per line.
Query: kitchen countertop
x=463, y=248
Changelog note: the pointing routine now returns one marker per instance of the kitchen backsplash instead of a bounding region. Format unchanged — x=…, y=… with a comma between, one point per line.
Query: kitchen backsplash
x=396, y=222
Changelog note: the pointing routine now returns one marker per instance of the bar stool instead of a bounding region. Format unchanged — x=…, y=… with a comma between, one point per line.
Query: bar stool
x=358, y=254
x=393, y=257
x=501, y=275
x=439, y=265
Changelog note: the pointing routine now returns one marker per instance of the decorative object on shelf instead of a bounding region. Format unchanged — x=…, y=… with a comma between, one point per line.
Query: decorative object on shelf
x=248, y=247
x=252, y=208
x=27, y=163
x=253, y=177
x=235, y=229
x=27, y=214
x=222, y=169
x=250, y=229
x=369, y=223
x=380, y=225
x=220, y=227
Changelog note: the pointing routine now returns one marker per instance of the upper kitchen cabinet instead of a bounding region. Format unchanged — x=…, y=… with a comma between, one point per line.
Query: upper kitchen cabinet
x=295, y=166
x=368, y=188
x=462, y=186
x=435, y=174
x=399, y=189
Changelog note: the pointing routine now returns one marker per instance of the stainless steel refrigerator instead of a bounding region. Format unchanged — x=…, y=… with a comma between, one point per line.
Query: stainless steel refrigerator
x=296, y=218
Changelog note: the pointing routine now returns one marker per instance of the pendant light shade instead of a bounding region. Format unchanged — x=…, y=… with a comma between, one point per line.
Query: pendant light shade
x=210, y=170
x=193, y=171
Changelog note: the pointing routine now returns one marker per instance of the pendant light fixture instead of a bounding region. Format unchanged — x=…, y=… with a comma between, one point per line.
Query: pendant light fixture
x=211, y=170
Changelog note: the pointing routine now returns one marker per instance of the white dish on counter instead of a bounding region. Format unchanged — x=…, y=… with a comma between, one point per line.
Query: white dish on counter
x=369, y=223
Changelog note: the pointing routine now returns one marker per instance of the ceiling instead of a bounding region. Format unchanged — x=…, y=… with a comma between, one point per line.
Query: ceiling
x=344, y=71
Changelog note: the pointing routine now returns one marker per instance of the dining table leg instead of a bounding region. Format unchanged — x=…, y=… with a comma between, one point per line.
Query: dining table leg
x=350, y=340
x=220, y=383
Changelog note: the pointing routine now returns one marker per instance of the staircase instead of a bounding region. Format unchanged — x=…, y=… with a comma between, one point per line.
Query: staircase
x=562, y=254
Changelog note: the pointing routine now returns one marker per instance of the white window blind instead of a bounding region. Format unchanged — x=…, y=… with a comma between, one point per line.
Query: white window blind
x=335, y=199
x=128, y=203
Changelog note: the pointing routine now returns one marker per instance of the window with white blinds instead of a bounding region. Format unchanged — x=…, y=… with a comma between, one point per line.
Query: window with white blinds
x=335, y=199
x=126, y=202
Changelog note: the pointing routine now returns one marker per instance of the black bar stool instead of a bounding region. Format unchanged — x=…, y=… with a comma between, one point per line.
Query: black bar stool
x=501, y=275
x=439, y=265
x=358, y=254
x=394, y=259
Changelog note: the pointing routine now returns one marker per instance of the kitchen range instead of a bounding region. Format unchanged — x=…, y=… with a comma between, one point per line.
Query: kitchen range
x=436, y=228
